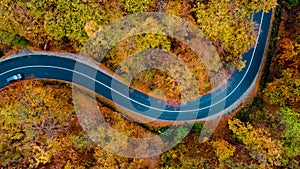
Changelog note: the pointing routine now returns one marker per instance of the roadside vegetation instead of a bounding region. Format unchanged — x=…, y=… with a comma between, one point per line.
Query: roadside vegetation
x=39, y=127
x=68, y=24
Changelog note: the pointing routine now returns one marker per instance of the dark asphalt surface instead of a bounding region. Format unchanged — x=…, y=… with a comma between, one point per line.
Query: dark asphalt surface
x=51, y=67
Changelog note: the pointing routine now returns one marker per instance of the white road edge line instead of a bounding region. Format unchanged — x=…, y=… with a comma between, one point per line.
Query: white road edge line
x=38, y=66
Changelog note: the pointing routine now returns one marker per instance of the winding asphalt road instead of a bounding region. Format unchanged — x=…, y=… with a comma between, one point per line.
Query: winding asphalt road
x=43, y=66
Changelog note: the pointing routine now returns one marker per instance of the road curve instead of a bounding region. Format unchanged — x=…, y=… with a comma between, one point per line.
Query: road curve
x=49, y=66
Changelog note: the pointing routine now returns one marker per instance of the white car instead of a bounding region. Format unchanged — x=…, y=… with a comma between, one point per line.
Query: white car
x=15, y=77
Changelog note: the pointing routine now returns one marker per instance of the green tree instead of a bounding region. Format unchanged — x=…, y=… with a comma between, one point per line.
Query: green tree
x=50, y=22
x=228, y=25
x=290, y=118
x=293, y=2
x=68, y=19
x=134, y=6
x=12, y=39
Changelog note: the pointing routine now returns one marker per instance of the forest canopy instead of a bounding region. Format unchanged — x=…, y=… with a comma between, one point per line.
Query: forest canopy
x=61, y=24
x=68, y=25
x=38, y=124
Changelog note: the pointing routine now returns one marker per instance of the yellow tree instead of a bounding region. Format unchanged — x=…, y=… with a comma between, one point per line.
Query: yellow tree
x=228, y=25
x=259, y=142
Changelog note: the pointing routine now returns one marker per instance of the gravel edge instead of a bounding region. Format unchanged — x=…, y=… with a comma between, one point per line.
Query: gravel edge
x=85, y=60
